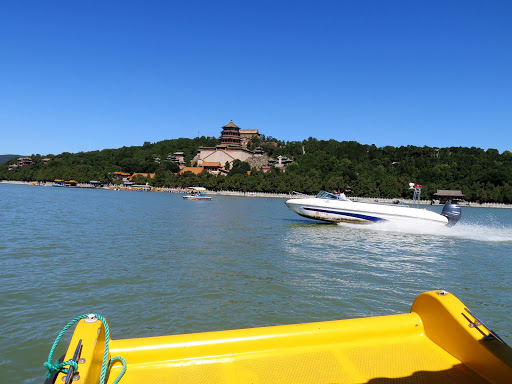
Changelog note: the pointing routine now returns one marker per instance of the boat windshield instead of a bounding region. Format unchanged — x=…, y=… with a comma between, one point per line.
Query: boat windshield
x=333, y=196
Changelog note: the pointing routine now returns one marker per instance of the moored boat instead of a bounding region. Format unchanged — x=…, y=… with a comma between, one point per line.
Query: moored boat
x=65, y=183
x=338, y=208
x=71, y=183
x=59, y=183
x=439, y=341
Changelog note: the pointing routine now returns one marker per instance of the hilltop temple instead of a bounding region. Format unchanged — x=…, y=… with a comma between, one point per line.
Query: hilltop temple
x=233, y=146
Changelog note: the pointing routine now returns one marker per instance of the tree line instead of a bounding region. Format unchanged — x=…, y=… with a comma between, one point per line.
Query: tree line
x=366, y=170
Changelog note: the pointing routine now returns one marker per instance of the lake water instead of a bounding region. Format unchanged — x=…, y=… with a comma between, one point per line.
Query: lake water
x=154, y=264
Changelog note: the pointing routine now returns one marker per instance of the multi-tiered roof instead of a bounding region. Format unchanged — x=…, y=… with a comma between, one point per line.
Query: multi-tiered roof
x=230, y=135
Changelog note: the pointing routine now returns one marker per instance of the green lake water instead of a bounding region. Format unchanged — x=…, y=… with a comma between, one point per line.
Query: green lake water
x=155, y=264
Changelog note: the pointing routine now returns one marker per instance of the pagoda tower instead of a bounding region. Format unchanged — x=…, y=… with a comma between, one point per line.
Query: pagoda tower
x=230, y=135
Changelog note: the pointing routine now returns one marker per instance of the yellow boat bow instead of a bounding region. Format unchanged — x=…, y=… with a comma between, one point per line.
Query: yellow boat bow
x=439, y=341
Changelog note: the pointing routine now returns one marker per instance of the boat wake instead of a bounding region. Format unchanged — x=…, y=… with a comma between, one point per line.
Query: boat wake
x=494, y=232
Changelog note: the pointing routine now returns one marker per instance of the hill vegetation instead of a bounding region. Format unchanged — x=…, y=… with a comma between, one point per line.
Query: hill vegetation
x=4, y=158
x=367, y=170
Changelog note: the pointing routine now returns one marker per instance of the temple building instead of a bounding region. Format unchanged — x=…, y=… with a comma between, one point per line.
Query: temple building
x=247, y=134
x=230, y=135
x=178, y=158
x=233, y=146
x=229, y=149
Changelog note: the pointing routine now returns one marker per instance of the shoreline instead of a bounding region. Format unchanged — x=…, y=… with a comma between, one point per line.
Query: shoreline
x=259, y=194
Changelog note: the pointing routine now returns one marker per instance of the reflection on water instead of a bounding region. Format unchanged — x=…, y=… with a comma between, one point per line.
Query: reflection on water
x=154, y=264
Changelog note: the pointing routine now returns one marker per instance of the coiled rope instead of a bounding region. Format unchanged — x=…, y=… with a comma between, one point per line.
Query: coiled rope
x=105, y=365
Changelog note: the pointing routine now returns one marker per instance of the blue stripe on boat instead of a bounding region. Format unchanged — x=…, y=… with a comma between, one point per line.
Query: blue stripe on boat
x=357, y=215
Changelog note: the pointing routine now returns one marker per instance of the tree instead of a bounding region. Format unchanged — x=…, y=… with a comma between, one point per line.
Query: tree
x=139, y=179
x=372, y=171
x=239, y=167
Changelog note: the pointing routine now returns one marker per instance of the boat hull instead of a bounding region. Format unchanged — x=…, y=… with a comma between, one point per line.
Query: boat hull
x=431, y=344
x=197, y=198
x=361, y=213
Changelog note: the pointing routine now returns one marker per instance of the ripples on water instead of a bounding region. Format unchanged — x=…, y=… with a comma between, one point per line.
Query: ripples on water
x=489, y=231
x=155, y=264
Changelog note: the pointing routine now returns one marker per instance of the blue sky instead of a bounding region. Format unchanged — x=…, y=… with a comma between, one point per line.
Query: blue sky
x=79, y=76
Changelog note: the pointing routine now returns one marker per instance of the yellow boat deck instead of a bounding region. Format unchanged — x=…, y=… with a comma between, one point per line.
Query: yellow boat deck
x=435, y=343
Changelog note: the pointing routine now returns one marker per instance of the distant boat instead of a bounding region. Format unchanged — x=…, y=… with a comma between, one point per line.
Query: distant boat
x=197, y=193
x=71, y=183
x=59, y=183
x=337, y=208
x=64, y=183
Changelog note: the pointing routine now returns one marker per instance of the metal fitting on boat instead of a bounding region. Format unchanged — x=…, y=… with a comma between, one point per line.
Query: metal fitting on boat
x=442, y=293
x=91, y=318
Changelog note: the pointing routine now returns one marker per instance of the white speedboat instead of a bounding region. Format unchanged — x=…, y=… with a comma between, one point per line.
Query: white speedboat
x=197, y=193
x=337, y=208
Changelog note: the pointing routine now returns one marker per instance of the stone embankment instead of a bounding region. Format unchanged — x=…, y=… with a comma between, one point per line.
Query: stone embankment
x=409, y=202
x=292, y=195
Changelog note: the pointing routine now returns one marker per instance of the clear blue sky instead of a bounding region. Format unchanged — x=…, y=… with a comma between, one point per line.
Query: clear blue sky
x=86, y=75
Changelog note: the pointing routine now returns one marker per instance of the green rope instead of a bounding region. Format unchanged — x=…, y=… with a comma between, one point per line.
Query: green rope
x=105, y=366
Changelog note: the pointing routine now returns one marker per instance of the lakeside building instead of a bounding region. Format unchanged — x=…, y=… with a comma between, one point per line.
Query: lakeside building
x=445, y=195
x=123, y=176
x=96, y=184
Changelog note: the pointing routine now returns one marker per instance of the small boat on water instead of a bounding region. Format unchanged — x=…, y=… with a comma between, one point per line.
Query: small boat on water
x=71, y=183
x=439, y=341
x=338, y=208
x=197, y=193
x=59, y=183
x=65, y=183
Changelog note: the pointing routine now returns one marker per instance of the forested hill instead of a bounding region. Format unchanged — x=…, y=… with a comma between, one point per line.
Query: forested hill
x=97, y=165
x=482, y=175
x=4, y=158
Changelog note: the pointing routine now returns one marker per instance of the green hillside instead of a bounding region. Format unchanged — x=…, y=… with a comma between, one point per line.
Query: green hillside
x=4, y=158
x=482, y=175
